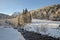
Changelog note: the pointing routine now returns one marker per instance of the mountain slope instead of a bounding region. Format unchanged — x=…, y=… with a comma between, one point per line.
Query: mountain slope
x=49, y=12
x=4, y=16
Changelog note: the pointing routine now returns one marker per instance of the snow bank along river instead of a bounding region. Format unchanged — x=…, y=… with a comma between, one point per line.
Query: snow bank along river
x=10, y=34
x=45, y=27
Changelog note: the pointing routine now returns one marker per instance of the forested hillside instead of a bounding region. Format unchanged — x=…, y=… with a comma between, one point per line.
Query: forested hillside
x=49, y=12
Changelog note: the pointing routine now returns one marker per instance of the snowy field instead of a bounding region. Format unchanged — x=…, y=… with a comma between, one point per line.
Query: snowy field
x=10, y=34
x=45, y=27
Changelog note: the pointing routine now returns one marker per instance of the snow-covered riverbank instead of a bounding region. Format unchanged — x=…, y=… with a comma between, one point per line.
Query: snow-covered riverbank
x=44, y=27
x=10, y=34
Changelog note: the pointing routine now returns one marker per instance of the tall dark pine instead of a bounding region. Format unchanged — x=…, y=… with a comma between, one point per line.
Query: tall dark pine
x=25, y=11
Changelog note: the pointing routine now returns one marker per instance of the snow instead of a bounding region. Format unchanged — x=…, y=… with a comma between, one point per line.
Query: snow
x=10, y=34
x=45, y=27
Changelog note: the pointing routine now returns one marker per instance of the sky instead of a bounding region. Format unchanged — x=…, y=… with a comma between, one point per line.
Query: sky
x=11, y=6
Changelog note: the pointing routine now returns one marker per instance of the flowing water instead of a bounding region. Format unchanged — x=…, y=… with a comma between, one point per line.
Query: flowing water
x=45, y=27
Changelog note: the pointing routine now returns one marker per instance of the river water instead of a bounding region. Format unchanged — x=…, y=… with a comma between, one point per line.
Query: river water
x=45, y=27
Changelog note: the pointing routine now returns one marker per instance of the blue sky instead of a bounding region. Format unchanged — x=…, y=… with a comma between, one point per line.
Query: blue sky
x=11, y=6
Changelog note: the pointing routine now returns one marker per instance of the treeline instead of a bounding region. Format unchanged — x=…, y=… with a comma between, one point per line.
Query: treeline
x=21, y=18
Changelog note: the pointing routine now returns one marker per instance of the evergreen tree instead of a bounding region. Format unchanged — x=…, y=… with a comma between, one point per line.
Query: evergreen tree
x=25, y=11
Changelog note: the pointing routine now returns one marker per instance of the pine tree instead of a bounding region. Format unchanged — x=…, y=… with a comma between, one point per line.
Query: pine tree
x=25, y=11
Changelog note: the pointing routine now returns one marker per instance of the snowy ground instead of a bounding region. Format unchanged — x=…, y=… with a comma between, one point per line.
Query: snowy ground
x=10, y=34
x=45, y=27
